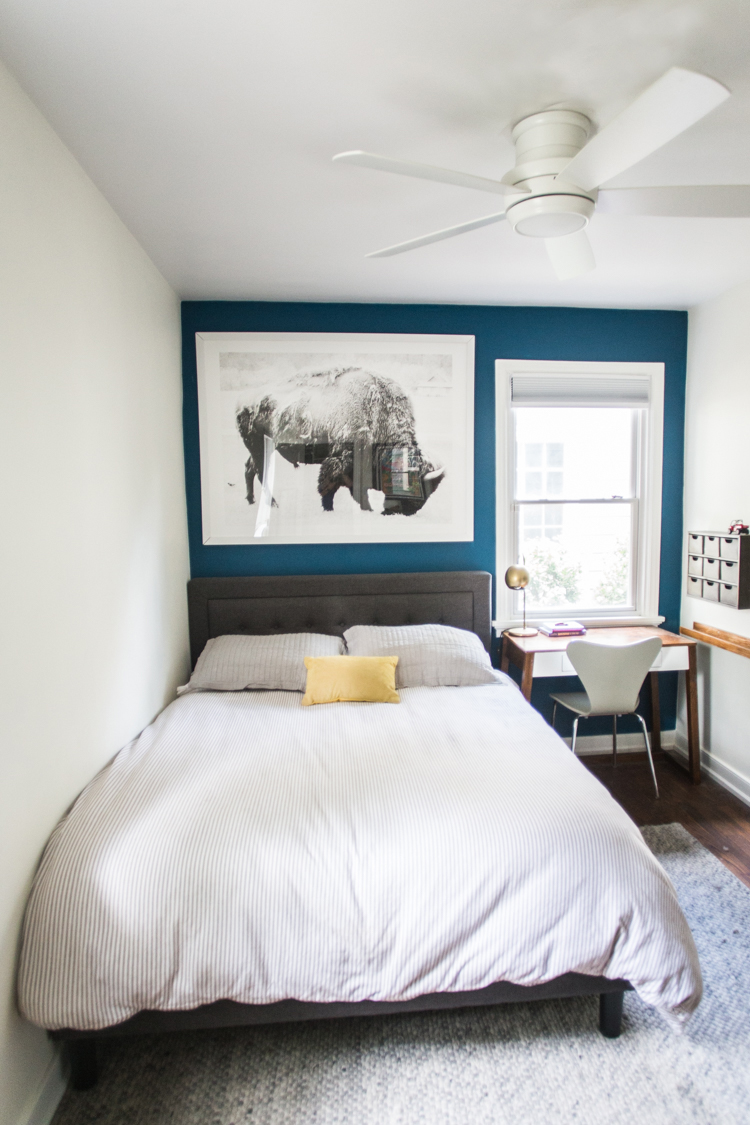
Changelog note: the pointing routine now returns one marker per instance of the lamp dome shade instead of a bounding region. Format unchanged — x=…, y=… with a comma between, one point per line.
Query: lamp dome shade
x=516, y=577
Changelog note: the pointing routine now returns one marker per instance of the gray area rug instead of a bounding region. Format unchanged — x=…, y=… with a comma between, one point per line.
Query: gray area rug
x=534, y=1063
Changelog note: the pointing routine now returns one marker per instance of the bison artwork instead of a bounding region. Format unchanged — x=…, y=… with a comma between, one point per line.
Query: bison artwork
x=358, y=426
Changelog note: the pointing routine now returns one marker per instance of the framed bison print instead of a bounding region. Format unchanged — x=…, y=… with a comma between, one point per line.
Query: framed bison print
x=336, y=438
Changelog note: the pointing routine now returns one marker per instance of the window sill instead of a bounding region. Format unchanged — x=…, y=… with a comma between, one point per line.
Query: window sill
x=589, y=622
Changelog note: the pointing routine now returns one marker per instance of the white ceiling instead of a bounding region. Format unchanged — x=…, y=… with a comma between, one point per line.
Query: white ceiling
x=210, y=127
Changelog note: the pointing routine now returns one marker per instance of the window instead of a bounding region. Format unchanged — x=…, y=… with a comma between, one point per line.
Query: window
x=579, y=489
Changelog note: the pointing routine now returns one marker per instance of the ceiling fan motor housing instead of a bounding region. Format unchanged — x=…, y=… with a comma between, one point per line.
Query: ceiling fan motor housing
x=545, y=143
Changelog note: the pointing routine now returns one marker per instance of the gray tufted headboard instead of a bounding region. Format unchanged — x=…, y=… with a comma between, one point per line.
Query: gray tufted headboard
x=330, y=603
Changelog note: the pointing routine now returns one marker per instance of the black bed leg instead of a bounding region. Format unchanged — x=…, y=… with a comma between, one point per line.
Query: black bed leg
x=610, y=1013
x=83, y=1064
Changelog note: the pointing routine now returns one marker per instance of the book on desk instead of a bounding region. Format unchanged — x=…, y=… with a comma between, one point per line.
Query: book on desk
x=562, y=628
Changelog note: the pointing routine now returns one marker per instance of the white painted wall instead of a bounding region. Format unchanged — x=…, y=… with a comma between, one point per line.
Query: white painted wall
x=93, y=561
x=717, y=491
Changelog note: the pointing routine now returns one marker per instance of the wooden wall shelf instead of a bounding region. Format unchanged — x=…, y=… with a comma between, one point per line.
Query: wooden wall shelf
x=731, y=642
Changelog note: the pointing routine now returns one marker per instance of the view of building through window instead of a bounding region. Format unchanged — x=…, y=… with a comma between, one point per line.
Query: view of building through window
x=575, y=504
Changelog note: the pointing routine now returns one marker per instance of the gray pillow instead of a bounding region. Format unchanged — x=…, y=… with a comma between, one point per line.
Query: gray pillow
x=428, y=655
x=276, y=663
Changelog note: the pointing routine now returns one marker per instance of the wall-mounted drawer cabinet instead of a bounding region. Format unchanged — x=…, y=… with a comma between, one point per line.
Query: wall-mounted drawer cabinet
x=719, y=568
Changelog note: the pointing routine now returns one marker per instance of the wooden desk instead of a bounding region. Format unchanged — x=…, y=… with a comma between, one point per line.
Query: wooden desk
x=545, y=656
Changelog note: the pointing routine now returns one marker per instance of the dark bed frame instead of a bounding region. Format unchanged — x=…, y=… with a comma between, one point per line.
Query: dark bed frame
x=331, y=604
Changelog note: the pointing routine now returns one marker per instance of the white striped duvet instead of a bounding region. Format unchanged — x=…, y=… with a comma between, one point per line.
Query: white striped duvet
x=248, y=848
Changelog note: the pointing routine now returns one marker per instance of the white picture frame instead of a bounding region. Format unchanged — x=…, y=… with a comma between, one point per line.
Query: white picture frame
x=340, y=437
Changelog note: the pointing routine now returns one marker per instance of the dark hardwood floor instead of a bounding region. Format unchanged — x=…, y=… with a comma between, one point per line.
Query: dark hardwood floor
x=719, y=820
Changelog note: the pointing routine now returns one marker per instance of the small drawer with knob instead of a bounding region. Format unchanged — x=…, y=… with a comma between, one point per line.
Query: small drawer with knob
x=695, y=543
x=710, y=591
x=729, y=595
x=694, y=587
x=730, y=572
x=711, y=568
x=711, y=544
x=729, y=547
x=695, y=566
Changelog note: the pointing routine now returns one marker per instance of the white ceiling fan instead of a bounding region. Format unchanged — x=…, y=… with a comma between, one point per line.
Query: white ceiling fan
x=555, y=186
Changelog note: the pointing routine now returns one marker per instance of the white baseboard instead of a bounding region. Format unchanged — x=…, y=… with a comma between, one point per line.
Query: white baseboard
x=41, y=1106
x=626, y=743
x=718, y=771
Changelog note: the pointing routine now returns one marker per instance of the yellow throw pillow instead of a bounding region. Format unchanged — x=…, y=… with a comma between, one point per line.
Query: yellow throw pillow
x=357, y=679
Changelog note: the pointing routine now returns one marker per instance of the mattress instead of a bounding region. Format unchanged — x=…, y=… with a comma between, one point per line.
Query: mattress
x=245, y=847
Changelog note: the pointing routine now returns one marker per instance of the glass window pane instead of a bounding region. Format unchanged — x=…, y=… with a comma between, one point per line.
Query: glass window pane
x=579, y=556
x=555, y=454
x=587, y=453
x=552, y=518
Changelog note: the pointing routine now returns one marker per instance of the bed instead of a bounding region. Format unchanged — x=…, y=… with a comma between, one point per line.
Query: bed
x=446, y=852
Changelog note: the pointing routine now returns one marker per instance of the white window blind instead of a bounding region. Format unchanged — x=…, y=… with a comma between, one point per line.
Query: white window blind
x=580, y=390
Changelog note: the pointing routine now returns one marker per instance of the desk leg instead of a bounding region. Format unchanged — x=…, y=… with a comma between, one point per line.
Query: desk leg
x=691, y=693
x=527, y=675
x=655, y=712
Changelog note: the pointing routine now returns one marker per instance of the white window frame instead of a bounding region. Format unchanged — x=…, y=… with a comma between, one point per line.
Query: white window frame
x=647, y=538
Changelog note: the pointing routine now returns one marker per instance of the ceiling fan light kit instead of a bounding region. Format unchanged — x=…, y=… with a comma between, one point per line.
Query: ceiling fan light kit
x=550, y=216
x=554, y=187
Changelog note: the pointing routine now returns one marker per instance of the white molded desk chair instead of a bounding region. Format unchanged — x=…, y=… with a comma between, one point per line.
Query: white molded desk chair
x=612, y=676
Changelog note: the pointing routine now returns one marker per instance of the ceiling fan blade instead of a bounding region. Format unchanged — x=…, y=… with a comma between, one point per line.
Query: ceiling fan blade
x=672, y=104
x=437, y=236
x=724, y=201
x=425, y=172
x=571, y=255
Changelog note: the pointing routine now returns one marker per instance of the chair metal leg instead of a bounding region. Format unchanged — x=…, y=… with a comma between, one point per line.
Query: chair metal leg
x=554, y=712
x=575, y=732
x=642, y=721
x=614, y=740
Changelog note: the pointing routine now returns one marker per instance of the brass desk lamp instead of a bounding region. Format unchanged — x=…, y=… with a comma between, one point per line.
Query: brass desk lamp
x=517, y=578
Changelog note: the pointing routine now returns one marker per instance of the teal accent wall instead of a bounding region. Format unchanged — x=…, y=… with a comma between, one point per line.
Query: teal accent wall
x=633, y=335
